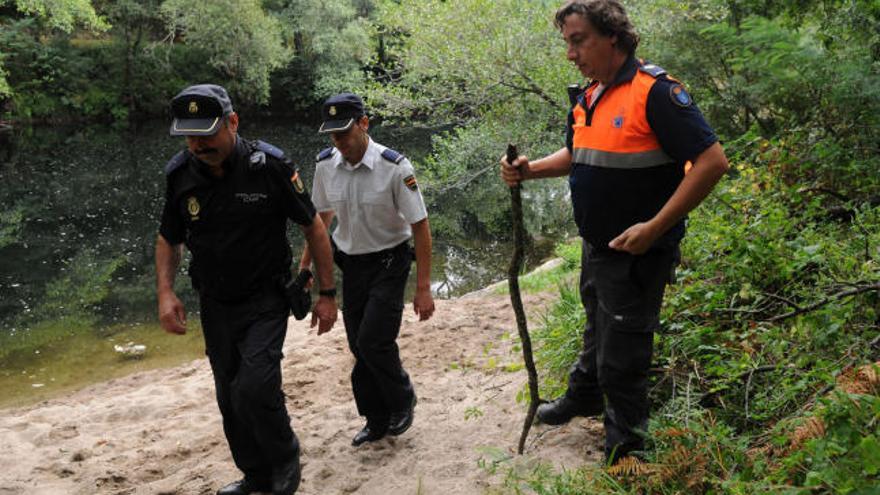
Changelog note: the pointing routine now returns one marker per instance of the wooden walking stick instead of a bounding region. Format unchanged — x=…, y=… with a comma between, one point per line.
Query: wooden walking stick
x=516, y=263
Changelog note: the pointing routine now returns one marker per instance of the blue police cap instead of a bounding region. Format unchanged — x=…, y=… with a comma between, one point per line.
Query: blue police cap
x=199, y=110
x=340, y=112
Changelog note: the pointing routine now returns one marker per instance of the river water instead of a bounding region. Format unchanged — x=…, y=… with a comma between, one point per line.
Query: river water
x=78, y=221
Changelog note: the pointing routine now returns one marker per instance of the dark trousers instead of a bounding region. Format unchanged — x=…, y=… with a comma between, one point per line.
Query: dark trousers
x=621, y=294
x=372, y=299
x=243, y=341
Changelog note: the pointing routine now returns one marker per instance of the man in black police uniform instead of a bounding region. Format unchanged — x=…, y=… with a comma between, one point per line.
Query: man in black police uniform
x=629, y=136
x=228, y=200
x=372, y=192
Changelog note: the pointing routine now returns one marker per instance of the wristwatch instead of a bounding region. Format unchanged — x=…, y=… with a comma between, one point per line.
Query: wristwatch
x=331, y=292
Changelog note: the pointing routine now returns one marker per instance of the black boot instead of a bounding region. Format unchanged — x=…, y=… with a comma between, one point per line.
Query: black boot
x=563, y=409
x=244, y=487
x=400, y=421
x=375, y=429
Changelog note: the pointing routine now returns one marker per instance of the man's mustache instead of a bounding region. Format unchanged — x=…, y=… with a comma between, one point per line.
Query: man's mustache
x=205, y=151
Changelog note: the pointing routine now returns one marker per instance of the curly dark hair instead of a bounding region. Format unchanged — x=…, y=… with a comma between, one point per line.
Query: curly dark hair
x=607, y=16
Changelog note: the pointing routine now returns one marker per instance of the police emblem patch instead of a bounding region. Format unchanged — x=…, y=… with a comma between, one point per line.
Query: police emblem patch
x=193, y=107
x=410, y=181
x=193, y=207
x=679, y=96
x=297, y=183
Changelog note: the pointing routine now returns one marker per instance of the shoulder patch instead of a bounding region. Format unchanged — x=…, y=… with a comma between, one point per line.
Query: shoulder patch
x=269, y=150
x=392, y=156
x=297, y=182
x=410, y=182
x=679, y=96
x=257, y=160
x=176, y=161
x=652, y=70
x=325, y=154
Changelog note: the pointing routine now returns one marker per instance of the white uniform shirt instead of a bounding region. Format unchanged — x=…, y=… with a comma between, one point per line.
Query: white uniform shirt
x=375, y=201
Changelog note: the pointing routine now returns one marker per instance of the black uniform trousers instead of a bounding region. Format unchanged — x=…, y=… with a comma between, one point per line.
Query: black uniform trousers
x=621, y=294
x=372, y=299
x=243, y=341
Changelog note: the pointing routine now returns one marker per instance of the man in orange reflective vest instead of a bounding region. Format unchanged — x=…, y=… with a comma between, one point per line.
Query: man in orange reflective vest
x=628, y=138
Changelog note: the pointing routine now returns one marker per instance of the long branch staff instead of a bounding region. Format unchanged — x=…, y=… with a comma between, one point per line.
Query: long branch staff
x=516, y=263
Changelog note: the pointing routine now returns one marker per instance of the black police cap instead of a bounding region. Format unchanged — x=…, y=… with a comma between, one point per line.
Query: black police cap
x=340, y=112
x=199, y=110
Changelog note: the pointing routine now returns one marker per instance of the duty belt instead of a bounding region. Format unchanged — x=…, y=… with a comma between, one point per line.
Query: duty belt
x=375, y=256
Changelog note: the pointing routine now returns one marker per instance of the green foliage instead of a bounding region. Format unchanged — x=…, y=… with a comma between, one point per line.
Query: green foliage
x=5, y=89
x=526, y=476
x=332, y=47
x=845, y=458
x=457, y=59
x=238, y=38
x=453, y=64
x=557, y=275
x=736, y=369
x=472, y=412
x=68, y=306
x=463, y=170
x=802, y=73
x=61, y=77
x=559, y=338
x=85, y=284
x=127, y=59
x=63, y=15
x=10, y=226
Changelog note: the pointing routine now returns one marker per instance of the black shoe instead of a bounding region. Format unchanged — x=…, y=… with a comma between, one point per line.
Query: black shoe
x=400, y=421
x=370, y=433
x=286, y=478
x=244, y=487
x=563, y=409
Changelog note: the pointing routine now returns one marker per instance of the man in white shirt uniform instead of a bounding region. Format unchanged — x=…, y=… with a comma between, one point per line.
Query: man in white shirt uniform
x=373, y=193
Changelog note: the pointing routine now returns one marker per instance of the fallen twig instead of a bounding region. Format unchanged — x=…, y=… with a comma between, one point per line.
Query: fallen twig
x=833, y=297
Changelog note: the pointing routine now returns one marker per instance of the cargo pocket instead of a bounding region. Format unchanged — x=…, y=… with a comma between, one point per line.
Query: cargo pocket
x=625, y=302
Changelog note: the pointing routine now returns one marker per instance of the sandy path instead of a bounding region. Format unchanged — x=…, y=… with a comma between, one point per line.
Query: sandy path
x=159, y=432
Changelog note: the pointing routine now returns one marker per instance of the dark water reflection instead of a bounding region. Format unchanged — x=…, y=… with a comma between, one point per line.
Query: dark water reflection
x=79, y=218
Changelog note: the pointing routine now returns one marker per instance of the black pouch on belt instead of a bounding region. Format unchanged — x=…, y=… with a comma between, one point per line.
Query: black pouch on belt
x=299, y=297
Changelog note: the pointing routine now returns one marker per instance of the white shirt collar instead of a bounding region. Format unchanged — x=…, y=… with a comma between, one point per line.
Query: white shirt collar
x=368, y=159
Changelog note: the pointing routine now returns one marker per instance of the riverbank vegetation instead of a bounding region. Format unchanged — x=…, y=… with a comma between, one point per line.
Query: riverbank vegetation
x=763, y=378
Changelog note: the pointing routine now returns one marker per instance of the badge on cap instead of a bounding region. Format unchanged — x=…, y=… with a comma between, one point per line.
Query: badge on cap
x=332, y=110
x=193, y=107
x=193, y=207
x=410, y=181
x=679, y=96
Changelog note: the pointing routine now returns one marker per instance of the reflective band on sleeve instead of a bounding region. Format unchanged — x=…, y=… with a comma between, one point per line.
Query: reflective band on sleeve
x=609, y=159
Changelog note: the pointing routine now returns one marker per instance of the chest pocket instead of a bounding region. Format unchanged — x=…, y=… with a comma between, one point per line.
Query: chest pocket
x=336, y=196
x=378, y=199
x=246, y=206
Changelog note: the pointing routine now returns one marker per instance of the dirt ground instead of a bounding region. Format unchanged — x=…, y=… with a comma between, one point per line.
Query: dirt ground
x=159, y=432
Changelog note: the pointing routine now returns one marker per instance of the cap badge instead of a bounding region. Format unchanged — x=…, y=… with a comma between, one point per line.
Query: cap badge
x=192, y=206
x=332, y=110
x=193, y=107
